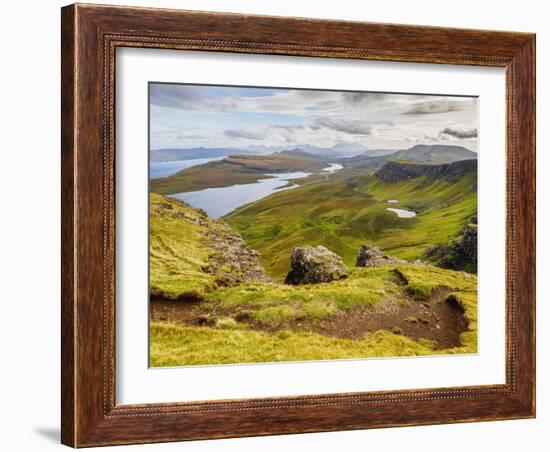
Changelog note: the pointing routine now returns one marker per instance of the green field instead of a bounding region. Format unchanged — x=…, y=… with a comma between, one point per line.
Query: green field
x=344, y=212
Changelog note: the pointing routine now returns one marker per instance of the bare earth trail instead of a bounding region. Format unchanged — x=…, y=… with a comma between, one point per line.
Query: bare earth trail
x=440, y=318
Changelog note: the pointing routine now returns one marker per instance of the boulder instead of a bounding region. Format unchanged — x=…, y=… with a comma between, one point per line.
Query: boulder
x=370, y=256
x=315, y=264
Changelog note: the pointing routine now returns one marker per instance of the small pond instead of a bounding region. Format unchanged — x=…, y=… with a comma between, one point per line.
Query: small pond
x=402, y=213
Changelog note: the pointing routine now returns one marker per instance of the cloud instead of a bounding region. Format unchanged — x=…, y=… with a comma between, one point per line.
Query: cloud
x=186, y=97
x=460, y=134
x=290, y=128
x=201, y=115
x=247, y=134
x=208, y=99
x=353, y=127
x=435, y=107
x=357, y=99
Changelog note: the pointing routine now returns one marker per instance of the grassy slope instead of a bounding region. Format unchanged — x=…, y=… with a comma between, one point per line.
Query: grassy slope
x=365, y=286
x=179, y=251
x=276, y=304
x=240, y=169
x=176, y=346
x=343, y=214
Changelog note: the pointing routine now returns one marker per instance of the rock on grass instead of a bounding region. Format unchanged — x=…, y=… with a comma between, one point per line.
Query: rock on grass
x=370, y=256
x=311, y=265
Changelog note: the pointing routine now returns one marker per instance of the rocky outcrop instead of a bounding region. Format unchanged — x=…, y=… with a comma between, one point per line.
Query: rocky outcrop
x=460, y=254
x=310, y=265
x=451, y=172
x=233, y=262
x=230, y=260
x=370, y=256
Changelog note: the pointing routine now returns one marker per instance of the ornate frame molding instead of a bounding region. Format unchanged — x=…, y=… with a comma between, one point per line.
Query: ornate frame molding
x=90, y=37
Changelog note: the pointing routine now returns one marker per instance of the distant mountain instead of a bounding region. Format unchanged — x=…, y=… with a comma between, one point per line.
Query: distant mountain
x=338, y=150
x=172, y=154
x=422, y=153
x=355, y=149
x=308, y=155
x=378, y=152
x=434, y=154
x=354, y=154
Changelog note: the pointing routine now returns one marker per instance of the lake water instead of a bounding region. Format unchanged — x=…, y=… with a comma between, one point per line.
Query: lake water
x=392, y=201
x=333, y=167
x=218, y=202
x=402, y=213
x=165, y=169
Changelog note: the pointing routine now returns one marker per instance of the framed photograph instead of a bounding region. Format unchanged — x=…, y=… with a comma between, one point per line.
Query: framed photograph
x=281, y=225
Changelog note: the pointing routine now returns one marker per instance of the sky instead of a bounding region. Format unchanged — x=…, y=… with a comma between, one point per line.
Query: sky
x=188, y=116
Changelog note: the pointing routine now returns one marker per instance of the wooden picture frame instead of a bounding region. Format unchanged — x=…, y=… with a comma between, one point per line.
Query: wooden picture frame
x=90, y=36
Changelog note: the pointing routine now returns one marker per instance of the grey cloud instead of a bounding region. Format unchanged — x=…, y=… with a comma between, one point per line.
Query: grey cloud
x=434, y=107
x=354, y=127
x=240, y=133
x=308, y=94
x=460, y=134
x=360, y=98
x=191, y=136
x=178, y=96
x=290, y=128
x=426, y=138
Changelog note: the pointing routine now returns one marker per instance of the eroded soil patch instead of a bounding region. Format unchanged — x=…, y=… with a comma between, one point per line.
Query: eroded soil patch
x=439, y=319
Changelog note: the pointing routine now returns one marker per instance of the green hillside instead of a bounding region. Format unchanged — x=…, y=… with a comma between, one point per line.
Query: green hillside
x=199, y=316
x=342, y=214
x=192, y=254
x=178, y=249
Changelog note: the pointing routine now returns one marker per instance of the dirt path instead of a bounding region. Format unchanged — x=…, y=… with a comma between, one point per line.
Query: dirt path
x=436, y=319
x=439, y=319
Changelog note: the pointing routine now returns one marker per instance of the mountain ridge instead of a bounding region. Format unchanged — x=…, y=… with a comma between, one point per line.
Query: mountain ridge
x=434, y=153
x=451, y=172
x=420, y=154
